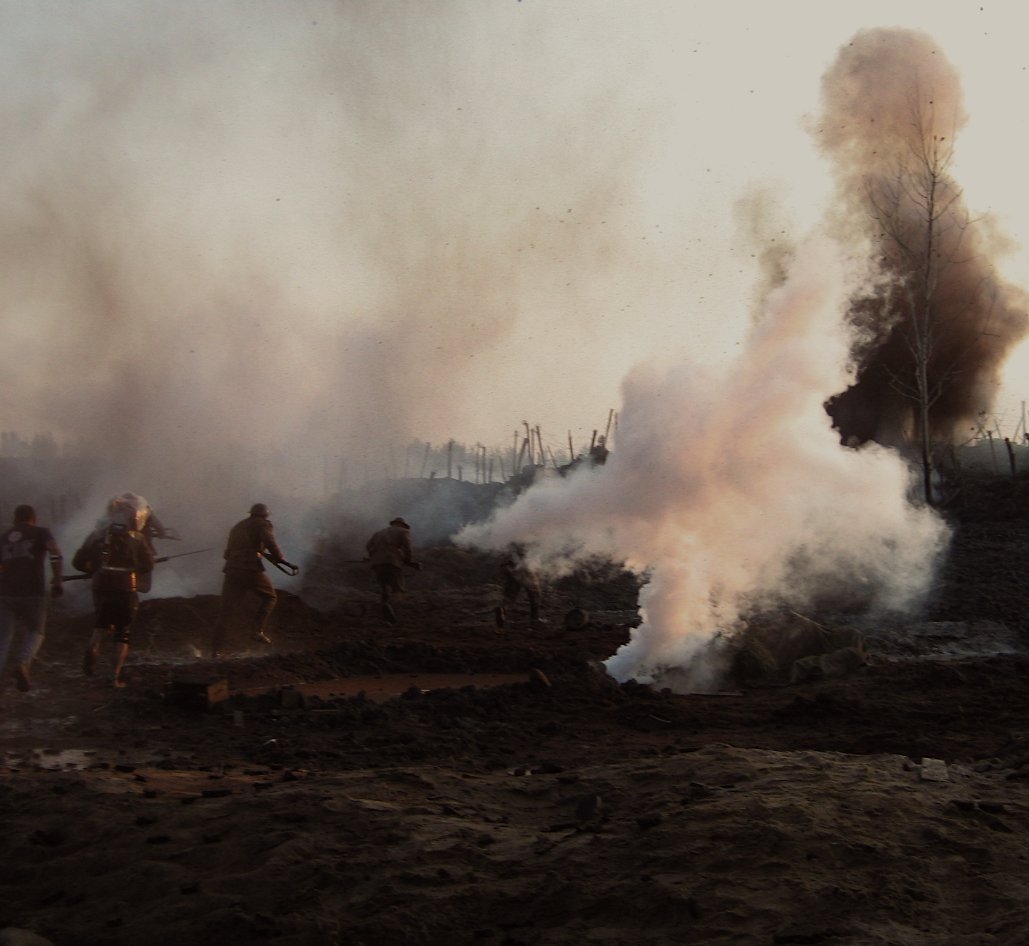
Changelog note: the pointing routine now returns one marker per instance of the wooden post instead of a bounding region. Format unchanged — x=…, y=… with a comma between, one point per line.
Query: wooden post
x=607, y=430
x=528, y=441
x=571, y=449
x=518, y=462
x=1011, y=458
x=450, y=459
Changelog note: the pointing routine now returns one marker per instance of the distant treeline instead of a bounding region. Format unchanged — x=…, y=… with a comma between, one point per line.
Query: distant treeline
x=38, y=446
x=53, y=485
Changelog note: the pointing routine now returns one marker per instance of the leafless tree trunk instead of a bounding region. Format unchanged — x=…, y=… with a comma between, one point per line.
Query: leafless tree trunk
x=922, y=222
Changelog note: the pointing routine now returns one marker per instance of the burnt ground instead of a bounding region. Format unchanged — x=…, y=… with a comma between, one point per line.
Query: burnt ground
x=952, y=687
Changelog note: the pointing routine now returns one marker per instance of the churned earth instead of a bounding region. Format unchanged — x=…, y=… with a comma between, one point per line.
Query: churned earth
x=447, y=782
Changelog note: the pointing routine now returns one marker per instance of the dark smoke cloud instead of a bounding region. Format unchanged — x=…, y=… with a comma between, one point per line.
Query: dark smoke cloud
x=889, y=93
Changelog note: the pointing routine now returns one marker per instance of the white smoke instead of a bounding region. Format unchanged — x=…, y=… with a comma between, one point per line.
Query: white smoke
x=729, y=489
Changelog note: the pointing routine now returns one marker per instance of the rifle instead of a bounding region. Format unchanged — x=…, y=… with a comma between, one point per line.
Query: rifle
x=290, y=568
x=164, y=558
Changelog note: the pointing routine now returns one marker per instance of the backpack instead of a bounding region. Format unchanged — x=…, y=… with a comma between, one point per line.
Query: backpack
x=116, y=570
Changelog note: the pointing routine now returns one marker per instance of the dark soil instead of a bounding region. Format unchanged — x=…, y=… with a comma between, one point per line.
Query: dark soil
x=563, y=717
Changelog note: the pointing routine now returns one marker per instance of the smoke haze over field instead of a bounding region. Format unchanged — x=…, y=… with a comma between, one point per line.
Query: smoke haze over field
x=254, y=239
x=250, y=247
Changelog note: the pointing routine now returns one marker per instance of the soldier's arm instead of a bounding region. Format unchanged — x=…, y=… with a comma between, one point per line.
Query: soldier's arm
x=56, y=567
x=269, y=547
x=408, y=552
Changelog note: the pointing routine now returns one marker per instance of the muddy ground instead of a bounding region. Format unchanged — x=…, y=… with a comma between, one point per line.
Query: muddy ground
x=444, y=781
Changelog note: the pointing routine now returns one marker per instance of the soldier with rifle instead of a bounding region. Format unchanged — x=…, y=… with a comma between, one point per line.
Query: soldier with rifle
x=250, y=541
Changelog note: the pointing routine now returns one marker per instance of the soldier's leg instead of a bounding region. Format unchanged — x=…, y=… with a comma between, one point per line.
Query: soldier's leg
x=389, y=615
x=34, y=618
x=390, y=582
x=89, y=658
x=509, y=594
x=266, y=604
x=129, y=606
x=121, y=651
x=7, y=626
x=101, y=625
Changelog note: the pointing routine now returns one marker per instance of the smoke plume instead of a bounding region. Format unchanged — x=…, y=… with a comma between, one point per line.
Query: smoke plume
x=892, y=110
x=730, y=491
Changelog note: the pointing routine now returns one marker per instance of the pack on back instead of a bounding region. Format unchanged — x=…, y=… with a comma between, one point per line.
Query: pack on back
x=117, y=571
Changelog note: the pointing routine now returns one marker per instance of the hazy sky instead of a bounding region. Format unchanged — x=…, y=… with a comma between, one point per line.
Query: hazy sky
x=320, y=227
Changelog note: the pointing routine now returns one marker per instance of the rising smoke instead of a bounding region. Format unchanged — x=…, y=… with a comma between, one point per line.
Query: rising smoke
x=892, y=111
x=730, y=492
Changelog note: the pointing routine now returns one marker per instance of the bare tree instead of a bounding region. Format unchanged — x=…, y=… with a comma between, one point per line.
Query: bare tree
x=923, y=223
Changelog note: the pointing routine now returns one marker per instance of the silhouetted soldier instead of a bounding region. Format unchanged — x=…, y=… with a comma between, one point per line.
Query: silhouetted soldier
x=516, y=577
x=23, y=552
x=389, y=550
x=120, y=561
x=250, y=541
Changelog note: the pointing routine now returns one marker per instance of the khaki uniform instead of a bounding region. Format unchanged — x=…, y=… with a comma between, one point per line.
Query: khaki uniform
x=389, y=550
x=249, y=541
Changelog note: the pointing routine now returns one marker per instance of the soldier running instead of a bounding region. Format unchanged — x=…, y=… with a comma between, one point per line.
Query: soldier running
x=250, y=541
x=389, y=550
